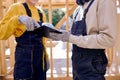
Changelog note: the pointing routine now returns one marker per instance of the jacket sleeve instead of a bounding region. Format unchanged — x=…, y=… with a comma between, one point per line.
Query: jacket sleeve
x=10, y=25
x=106, y=36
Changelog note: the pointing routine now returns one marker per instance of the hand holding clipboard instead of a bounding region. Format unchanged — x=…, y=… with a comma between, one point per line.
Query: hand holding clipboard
x=46, y=29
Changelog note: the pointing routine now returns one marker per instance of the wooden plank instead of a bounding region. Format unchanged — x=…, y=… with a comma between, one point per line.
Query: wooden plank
x=0, y=61
x=67, y=45
x=57, y=1
x=6, y=4
x=10, y=71
x=55, y=5
x=45, y=4
x=2, y=77
x=109, y=53
x=52, y=1
x=12, y=50
x=117, y=45
x=3, y=58
x=1, y=9
x=14, y=1
x=50, y=21
x=117, y=77
x=64, y=18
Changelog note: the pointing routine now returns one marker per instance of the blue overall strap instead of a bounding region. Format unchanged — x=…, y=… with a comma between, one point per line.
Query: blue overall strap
x=27, y=9
x=29, y=12
x=86, y=10
x=41, y=15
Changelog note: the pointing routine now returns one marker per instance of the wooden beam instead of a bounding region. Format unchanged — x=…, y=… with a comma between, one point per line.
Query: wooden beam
x=10, y=71
x=109, y=53
x=55, y=5
x=0, y=45
x=14, y=1
x=0, y=61
x=3, y=58
x=67, y=44
x=45, y=4
x=12, y=45
x=115, y=77
x=117, y=45
x=50, y=21
x=6, y=4
x=56, y=1
x=64, y=18
x=1, y=9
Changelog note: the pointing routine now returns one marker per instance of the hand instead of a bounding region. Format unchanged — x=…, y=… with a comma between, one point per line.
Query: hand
x=28, y=22
x=63, y=37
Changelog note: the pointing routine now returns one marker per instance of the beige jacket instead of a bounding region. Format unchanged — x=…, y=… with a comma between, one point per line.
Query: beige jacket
x=101, y=26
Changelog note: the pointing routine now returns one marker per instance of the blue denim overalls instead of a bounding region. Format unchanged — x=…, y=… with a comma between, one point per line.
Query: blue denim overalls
x=88, y=64
x=29, y=56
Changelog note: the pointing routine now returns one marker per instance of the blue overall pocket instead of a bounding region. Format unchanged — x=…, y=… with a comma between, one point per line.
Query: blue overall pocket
x=99, y=63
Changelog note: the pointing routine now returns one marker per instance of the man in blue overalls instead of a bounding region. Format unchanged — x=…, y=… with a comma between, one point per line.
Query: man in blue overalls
x=20, y=20
x=93, y=30
x=30, y=48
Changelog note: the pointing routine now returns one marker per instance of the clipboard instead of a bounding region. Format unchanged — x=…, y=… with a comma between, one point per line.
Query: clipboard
x=45, y=31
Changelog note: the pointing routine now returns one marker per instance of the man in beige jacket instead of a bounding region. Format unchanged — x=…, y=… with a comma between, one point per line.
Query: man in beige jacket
x=93, y=30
